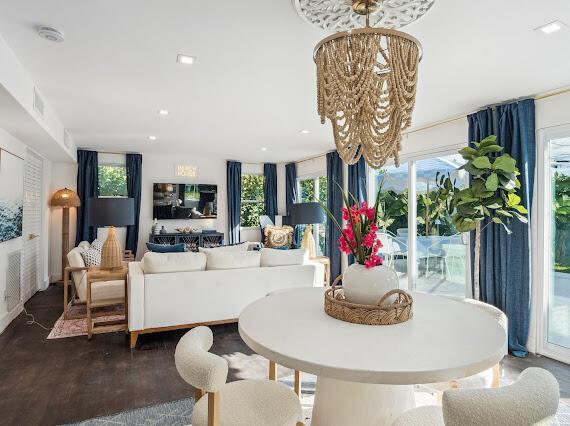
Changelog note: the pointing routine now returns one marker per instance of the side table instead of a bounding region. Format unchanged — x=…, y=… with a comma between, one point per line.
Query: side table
x=96, y=274
x=327, y=263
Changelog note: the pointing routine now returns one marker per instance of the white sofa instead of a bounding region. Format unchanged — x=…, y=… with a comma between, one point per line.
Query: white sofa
x=168, y=291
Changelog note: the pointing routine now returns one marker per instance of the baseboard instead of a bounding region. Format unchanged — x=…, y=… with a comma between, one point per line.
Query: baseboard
x=54, y=278
x=8, y=317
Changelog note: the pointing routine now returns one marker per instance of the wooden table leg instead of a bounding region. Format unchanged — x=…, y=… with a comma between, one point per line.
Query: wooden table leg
x=272, y=370
x=65, y=295
x=298, y=382
x=89, y=320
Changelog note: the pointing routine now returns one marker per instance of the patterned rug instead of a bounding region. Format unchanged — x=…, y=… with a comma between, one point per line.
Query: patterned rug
x=76, y=325
x=179, y=413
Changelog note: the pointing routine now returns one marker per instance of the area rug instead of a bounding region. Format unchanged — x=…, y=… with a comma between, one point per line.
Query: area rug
x=178, y=413
x=76, y=325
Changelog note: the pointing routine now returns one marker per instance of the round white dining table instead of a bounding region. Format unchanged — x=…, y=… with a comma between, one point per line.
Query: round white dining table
x=365, y=373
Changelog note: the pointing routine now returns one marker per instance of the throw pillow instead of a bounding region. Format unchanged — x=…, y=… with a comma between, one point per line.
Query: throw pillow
x=278, y=236
x=165, y=248
x=91, y=257
x=272, y=257
x=160, y=263
x=97, y=245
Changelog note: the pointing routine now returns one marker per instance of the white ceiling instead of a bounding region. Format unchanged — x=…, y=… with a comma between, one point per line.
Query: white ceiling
x=253, y=84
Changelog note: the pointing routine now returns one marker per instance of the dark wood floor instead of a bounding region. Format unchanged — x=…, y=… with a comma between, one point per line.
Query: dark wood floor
x=49, y=382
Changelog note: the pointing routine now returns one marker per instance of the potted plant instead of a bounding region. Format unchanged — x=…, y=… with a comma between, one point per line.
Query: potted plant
x=492, y=194
x=366, y=280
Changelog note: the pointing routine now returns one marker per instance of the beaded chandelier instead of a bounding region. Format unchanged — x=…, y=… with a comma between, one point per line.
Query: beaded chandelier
x=366, y=87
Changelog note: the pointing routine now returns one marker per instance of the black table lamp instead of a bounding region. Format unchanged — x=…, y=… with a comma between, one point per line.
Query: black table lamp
x=206, y=203
x=307, y=214
x=111, y=212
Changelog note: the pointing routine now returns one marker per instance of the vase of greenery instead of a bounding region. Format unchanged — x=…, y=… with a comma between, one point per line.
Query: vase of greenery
x=492, y=194
x=366, y=280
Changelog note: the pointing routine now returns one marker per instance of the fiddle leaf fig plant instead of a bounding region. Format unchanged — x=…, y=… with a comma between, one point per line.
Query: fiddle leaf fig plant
x=492, y=194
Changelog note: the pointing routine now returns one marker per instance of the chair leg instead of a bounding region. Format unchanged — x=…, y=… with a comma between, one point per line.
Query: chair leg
x=198, y=393
x=496, y=375
x=298, y=382
x=134, y=337
x=272, y=370
x=214, y=409
x=65, y=295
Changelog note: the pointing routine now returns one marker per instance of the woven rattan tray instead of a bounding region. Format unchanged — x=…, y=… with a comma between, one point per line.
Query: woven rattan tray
x=385, y=313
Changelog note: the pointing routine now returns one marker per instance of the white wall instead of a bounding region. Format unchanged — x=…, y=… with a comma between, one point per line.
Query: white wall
x=15, y=146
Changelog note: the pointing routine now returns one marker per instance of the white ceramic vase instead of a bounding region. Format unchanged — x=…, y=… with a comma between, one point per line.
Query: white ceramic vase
x=367, y=285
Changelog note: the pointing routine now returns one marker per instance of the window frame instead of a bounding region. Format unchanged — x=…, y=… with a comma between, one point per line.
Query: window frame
x=242, y=201
x=112, y=164
x=315, y=177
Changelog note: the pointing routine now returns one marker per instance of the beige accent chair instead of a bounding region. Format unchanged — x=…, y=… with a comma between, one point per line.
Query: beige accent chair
x=104, y=291
x=532, y=400
x=240, y=403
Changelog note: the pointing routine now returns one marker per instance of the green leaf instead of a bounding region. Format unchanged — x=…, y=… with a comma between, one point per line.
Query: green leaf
x=482, y=163
x=504, y=213
x=488, y=141
x=468, y=153
x=521, y=209
x=492, y=182
x=506, y=163
x=513, y=200
x=490, y=148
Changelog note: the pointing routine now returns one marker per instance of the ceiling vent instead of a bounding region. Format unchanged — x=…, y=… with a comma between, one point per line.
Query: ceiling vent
x=50, y=34
x=38, y=103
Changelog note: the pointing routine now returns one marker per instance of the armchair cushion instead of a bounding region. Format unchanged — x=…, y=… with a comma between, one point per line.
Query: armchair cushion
x=91, y=257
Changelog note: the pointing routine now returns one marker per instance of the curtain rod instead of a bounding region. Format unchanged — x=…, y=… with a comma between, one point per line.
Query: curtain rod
x=462, y=116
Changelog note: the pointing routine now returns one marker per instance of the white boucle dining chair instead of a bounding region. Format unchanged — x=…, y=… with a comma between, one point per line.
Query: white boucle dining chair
x=532, y=400
x=239, y=403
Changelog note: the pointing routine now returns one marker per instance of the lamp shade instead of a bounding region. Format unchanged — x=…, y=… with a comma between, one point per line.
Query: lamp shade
x=65, y=198
x=307, y=213
x=111, y=211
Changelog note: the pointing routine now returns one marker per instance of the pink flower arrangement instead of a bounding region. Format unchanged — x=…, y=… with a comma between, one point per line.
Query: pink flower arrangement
x=358, y=236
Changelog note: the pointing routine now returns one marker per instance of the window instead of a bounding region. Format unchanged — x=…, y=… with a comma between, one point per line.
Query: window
x=315, y=189
x=252, y=203
x=112, y=180
x=439, y=261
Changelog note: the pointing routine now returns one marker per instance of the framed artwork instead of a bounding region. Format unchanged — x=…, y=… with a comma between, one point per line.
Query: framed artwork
x=11, y=195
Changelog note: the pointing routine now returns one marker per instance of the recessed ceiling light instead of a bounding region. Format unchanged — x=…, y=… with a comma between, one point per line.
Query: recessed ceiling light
x=152, y=138
x=551, y=27
x=163, y=111
x=50, y=34
x=263, y=148
x=185, y=60
x=304, y=132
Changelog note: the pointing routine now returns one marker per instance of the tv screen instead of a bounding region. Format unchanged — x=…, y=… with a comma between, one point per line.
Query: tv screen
x=184, y=201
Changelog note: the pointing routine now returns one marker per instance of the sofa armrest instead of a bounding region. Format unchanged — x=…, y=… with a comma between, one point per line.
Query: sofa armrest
x=135, y=286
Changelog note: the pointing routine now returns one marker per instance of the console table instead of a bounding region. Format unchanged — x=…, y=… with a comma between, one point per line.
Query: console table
x=191, y=240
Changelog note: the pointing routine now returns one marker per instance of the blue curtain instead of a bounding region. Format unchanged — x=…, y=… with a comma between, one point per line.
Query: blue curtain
x=270, y=189
x=87, y=187
x=505, y=274
x=292, y=197
x=233, y=172
x=134, y=182
x=357, y=186
x=334, y=204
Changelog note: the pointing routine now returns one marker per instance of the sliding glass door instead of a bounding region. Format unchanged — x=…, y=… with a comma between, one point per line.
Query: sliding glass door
x=554, y=248
x=441, y=251
x=418, y=236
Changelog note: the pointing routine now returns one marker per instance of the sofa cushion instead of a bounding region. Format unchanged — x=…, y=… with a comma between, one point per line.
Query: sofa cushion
x=166, y=248
x=232, y=259
x=91, y=257
x=84, y=245
x=234, y=248
x=276, y=257
x=158, y=263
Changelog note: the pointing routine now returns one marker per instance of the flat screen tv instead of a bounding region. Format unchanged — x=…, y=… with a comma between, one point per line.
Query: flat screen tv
x=184, y=201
